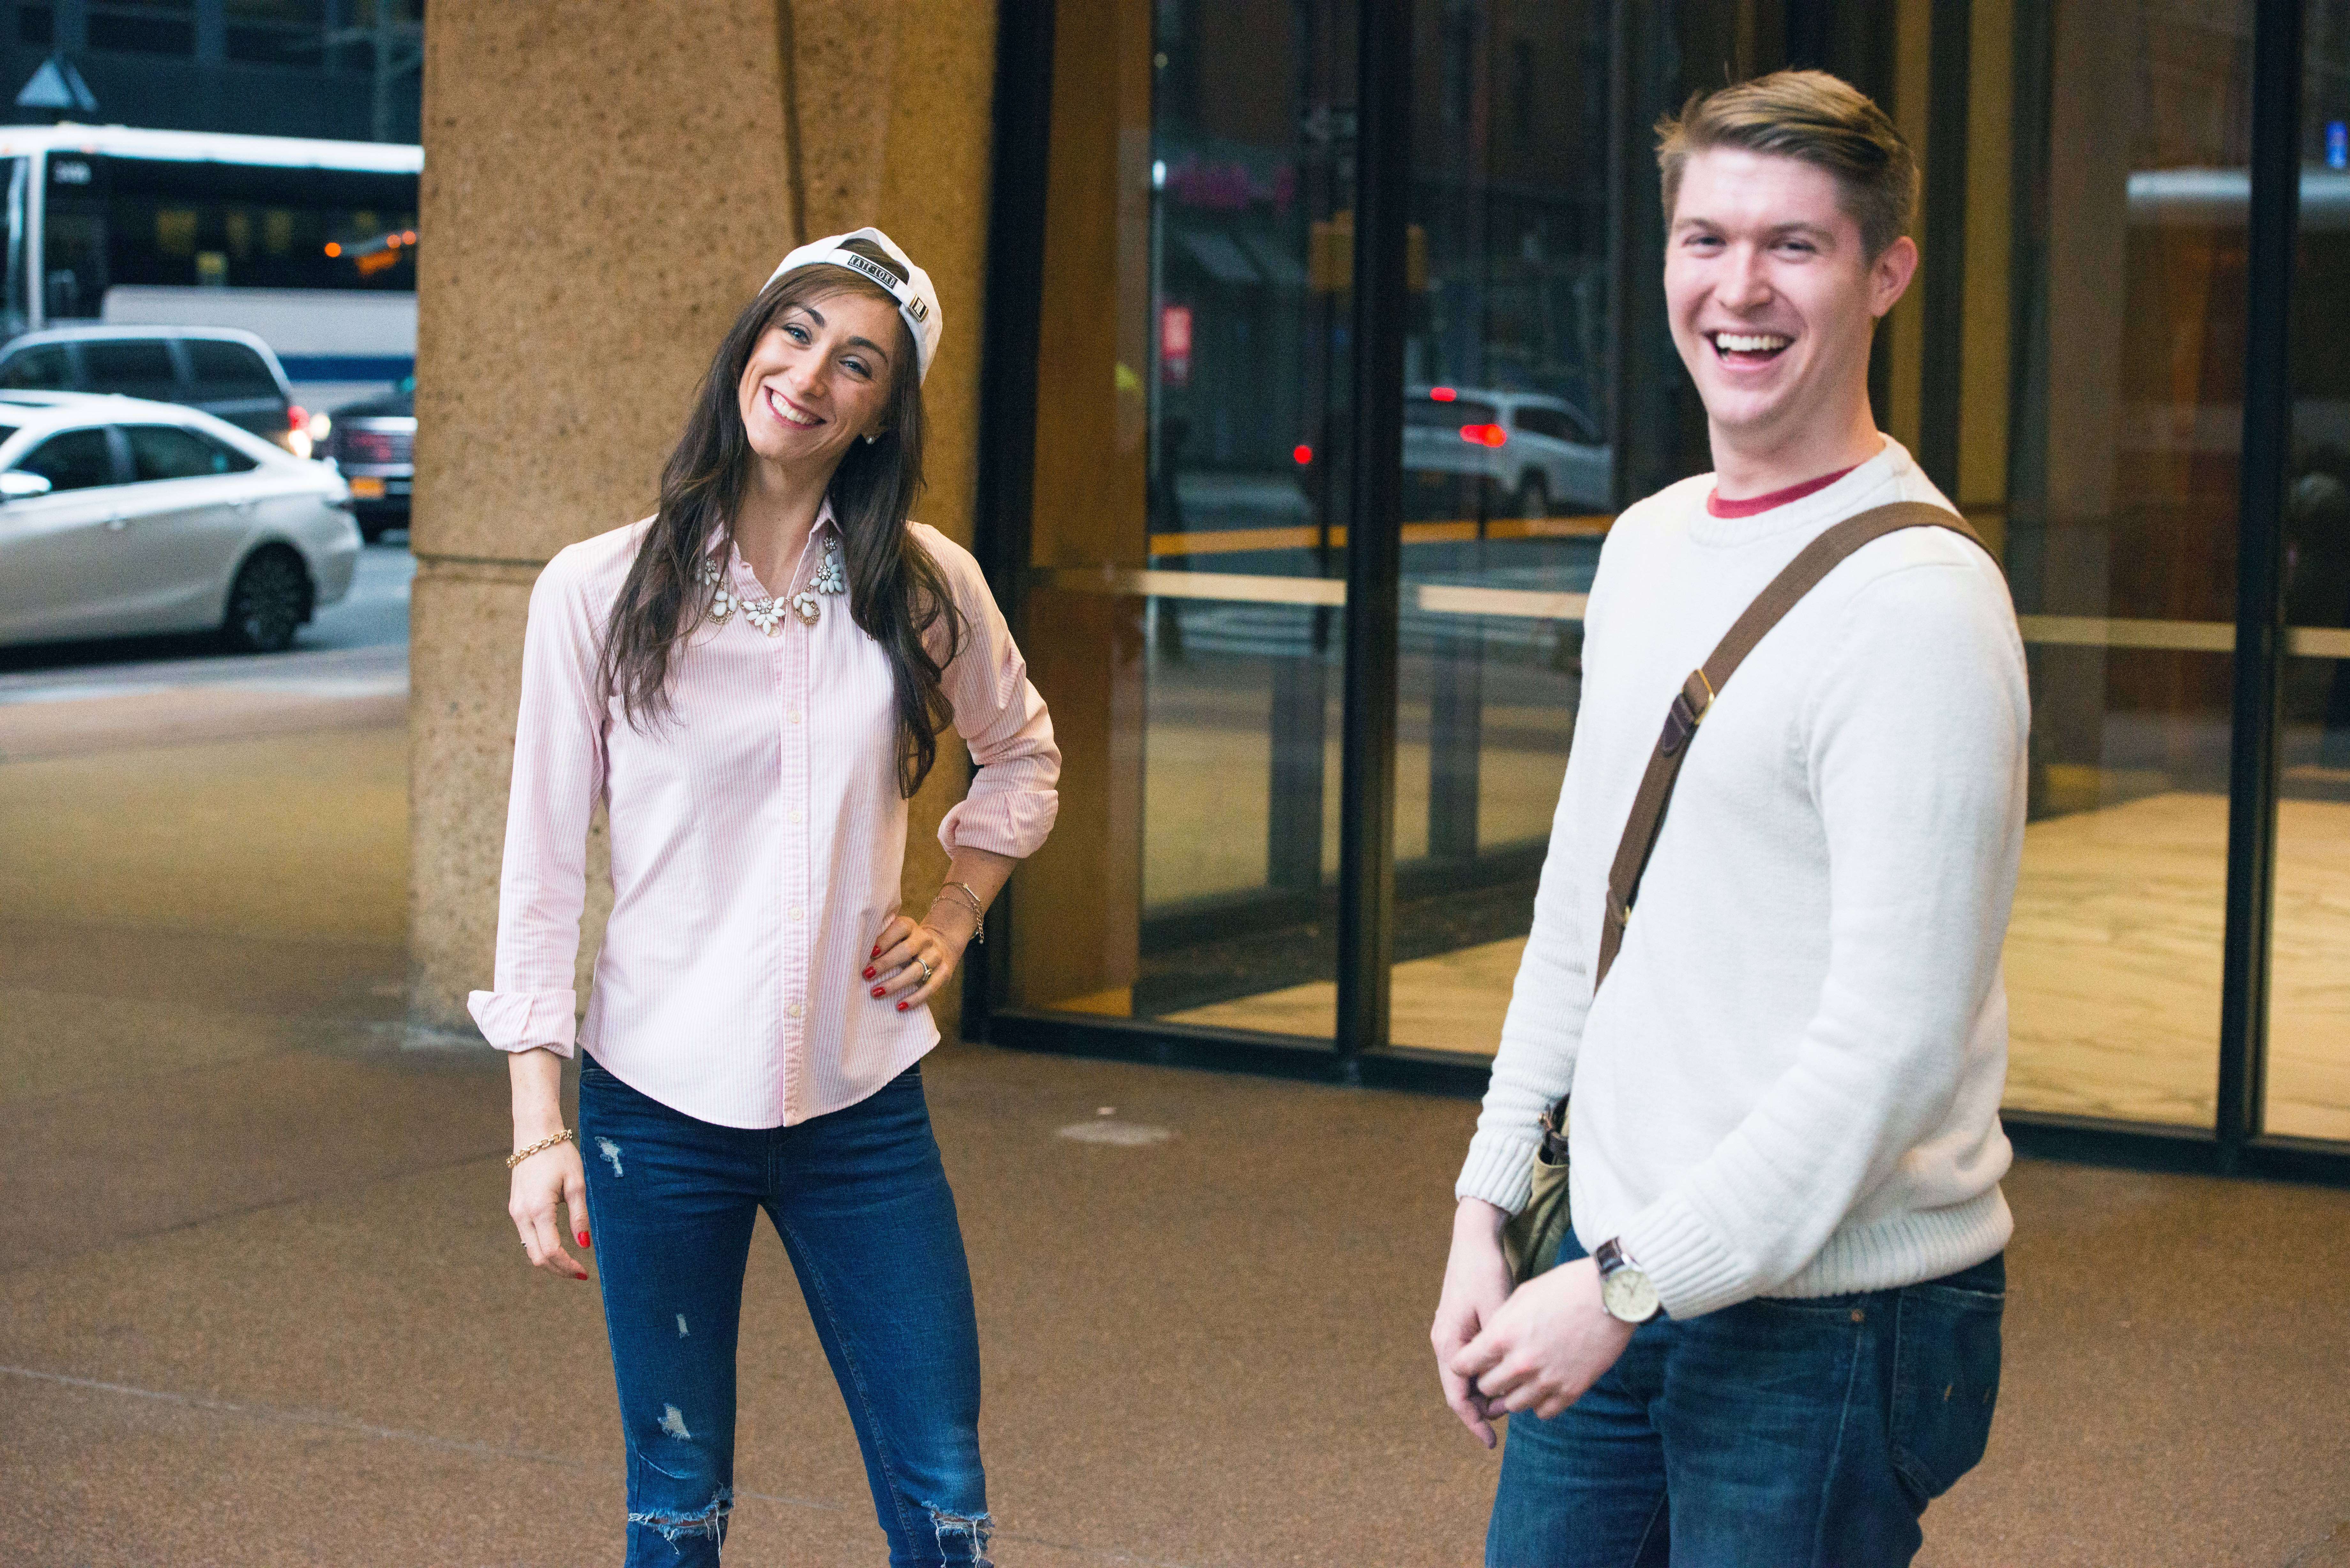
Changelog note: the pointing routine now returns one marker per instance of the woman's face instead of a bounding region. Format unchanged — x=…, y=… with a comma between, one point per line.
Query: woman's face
x=819, y=379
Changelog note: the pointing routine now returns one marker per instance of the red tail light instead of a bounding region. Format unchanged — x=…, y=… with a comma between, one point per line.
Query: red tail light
x=1442, y=394
x=1303, y=454
x=297, y=417
x=1484, y=435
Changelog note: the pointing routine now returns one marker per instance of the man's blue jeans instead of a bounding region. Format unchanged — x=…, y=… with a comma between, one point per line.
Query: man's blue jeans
x=1773, y=1434
x=861, y=1202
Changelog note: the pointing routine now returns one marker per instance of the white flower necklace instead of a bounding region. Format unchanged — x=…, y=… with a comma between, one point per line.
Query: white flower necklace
x=767, y=614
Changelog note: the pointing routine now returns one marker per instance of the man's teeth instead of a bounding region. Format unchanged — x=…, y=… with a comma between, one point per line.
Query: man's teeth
x=1750, y=343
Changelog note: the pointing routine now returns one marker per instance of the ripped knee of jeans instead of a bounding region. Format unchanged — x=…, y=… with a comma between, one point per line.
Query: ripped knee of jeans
x=968, y=1532
x=708, y=1521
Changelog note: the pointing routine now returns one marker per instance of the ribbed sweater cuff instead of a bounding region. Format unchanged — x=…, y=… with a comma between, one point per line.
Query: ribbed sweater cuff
x=1500, y=1169
x=1693, y=1271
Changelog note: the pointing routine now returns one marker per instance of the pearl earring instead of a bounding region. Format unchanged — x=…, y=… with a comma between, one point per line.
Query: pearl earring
x=872, y=438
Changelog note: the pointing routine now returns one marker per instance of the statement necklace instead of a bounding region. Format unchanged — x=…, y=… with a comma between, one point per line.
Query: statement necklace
x=767, y=614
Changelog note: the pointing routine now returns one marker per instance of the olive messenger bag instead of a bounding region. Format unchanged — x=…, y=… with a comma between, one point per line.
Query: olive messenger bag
x=1530, y=1241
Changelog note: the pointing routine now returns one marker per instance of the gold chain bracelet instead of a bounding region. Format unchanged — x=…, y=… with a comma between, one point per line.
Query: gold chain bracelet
x=541, y=1146
x=978, y=909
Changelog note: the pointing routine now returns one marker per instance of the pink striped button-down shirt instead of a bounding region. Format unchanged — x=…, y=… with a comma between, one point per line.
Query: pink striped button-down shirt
x=757, y=836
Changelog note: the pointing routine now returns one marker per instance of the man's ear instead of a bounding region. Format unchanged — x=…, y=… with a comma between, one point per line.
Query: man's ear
x=1889, y=275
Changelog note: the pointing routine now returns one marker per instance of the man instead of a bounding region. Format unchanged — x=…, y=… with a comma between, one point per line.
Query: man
x=1785, y=1140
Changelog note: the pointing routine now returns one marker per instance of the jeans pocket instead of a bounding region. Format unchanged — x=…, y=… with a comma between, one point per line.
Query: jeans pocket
x=1945, y=1384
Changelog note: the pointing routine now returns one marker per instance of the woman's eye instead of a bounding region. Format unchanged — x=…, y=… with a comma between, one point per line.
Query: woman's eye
x=856, y=365
x=796, y=334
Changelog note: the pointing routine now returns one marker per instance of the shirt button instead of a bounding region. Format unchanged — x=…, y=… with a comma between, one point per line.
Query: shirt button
x=798, y=913
x=795, y=1010
x=792, y=717
x=797, y=814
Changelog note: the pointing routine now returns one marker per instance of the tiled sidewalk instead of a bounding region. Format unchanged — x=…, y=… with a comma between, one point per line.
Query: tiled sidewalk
x=260, y=1304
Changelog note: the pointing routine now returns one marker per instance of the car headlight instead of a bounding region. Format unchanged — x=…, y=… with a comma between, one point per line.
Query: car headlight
x=320, y=424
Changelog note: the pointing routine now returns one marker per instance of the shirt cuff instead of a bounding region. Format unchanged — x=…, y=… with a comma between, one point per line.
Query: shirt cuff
x=1500, y=1169
x=526, y=1020
x=1693, y=1269
x=1011, y=823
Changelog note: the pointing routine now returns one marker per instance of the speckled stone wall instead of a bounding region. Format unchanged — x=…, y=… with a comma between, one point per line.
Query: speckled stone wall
x=607, y=182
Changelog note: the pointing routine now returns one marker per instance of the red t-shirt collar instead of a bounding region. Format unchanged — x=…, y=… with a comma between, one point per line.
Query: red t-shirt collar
x=1751, y=505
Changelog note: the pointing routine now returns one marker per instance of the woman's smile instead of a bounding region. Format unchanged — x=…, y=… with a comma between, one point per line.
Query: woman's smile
x=790, y=412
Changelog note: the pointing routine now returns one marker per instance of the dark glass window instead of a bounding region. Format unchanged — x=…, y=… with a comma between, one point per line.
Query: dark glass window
x=74, y=459
x=134, y=367
x=1559, y=424
x=45, y=368
x=128, y=221
x=1430, y=413
x=278, y=32
x=151, y=27
x=167, y=452
x=227, y=370
x=37, y=24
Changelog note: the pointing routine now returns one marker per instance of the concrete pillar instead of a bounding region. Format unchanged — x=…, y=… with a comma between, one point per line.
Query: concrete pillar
x=607, y=182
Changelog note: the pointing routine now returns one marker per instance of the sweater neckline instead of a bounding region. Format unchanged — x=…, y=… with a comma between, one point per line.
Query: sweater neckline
x=1755, y=505
x=1838, y=497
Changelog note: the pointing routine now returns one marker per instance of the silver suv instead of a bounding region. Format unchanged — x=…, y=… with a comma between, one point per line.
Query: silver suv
x=228, y=374
x=1539, y=453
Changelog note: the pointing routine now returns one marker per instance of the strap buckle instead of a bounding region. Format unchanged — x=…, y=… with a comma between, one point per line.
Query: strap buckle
x=1691, y=705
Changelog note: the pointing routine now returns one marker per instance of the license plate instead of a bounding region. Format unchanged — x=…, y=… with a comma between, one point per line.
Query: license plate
x=367, y=489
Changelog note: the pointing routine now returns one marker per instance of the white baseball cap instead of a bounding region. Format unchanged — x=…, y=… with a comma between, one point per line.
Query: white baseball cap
x=917, y=302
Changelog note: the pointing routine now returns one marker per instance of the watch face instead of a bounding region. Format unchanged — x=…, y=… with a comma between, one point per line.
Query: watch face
x=1627, y=1295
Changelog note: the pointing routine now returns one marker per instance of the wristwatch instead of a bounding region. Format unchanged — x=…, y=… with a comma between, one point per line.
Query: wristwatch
x=1624, y=1289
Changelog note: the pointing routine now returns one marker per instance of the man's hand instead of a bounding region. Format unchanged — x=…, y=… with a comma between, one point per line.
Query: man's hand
x=1476, y=1284
x=1548, y=1343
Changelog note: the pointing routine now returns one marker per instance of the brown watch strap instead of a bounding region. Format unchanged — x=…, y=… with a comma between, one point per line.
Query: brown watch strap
x=1704, y=685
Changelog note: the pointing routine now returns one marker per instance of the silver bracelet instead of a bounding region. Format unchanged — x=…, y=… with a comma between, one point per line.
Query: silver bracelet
x=978, y=909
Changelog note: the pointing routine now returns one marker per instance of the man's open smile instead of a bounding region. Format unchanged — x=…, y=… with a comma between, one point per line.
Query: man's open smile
x=1748, y=347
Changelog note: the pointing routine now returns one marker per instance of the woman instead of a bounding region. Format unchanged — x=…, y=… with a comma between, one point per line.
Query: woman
x=752, y=681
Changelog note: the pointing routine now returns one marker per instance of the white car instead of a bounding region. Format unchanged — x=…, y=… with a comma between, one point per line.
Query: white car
x=1539, y=451
x=120, y=517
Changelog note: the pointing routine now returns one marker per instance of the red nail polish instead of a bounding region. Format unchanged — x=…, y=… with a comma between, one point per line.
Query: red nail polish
x=901, y=1007
x=869, y=974
x=876, y=952
x=583, y=1238
x=877, y=991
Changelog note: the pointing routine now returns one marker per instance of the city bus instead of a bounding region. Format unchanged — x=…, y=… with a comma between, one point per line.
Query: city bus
x=310, y=245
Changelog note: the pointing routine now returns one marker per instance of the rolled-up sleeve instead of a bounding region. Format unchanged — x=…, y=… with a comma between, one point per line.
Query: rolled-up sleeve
x=558, y=775
x=1012, y=800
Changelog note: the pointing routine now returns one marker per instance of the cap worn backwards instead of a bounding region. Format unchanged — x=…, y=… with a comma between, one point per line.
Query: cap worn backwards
x=917, y=301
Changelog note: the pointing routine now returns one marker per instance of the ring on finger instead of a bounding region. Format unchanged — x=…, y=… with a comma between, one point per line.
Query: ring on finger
x=927, y=971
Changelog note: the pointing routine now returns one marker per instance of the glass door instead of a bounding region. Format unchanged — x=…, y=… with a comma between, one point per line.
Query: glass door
x=2308, y=1078
x=2120, y=530
x=1187, y=548
x=1509, y=481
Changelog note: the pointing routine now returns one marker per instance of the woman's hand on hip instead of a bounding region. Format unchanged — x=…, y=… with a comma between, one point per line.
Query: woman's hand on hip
x=910, y=962
x=538, y=1183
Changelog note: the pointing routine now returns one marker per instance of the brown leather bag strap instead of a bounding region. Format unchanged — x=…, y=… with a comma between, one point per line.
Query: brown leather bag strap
x=1698, y=692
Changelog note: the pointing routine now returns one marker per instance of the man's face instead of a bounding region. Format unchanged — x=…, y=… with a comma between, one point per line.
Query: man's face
x=1771, y=298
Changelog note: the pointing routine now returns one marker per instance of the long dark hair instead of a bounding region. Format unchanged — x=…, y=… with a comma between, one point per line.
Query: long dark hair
x=896, y=592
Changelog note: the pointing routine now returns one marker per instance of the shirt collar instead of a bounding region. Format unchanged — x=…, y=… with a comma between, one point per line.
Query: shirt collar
x=723, y=554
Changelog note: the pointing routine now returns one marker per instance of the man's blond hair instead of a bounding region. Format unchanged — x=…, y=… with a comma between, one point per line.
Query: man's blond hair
x=1822, y=120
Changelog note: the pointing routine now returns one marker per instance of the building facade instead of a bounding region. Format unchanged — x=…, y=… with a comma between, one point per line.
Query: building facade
x=1302, y=353
x=342, y=69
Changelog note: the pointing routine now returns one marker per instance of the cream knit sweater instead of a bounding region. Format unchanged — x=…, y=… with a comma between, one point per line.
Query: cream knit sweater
x=1790, y=1085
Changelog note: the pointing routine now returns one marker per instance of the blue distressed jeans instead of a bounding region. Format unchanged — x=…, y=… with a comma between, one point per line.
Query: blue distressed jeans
x=1771, y=1434
x=861, y=1202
